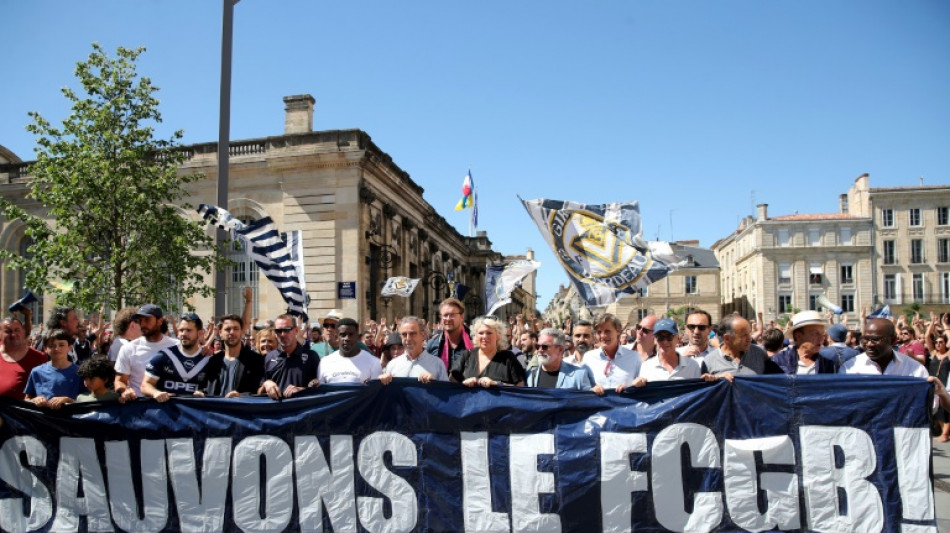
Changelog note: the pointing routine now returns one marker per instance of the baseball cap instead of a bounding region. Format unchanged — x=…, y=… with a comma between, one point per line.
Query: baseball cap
x=148, y=310
x=665, y=324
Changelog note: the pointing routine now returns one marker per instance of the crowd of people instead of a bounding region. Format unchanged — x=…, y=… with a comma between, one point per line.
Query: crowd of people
x=144, y=353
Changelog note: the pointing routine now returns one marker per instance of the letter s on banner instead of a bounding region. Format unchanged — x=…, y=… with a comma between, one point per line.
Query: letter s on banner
x=21, y=479
x=398, y=490
x=822, y=479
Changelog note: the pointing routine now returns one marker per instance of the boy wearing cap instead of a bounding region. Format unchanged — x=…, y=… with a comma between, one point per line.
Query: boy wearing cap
x=130, y=364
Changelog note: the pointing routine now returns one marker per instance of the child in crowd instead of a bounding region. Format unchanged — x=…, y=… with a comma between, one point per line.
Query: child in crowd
x=96, y=374
x=57, y=382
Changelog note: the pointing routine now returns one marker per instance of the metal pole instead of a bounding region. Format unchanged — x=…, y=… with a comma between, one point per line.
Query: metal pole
x=224, y=134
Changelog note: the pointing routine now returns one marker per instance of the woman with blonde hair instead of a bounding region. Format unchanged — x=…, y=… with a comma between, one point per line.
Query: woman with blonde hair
x=265, y=341
x=489, y=363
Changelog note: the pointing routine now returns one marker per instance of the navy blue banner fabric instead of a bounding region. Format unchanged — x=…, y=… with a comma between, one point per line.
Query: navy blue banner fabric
x=817, y=453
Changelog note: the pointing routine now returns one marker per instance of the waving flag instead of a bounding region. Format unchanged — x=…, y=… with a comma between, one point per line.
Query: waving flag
x=468, y=193
x=601, y=248
x=884, y=312
x=279, y=255
x=399, y=286
x=501, y=281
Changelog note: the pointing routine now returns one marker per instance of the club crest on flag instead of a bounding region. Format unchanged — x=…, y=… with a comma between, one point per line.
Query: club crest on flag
x=600, y=247
x=399, y=286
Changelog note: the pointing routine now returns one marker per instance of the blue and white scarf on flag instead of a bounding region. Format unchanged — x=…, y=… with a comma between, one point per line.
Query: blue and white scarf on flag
x=501, y=281
x=279, y=255
x=399, y=286
x=601, y=248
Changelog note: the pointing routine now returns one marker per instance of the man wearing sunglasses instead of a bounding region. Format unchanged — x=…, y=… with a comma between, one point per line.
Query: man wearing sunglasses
x=645, y=345
x=291, y=368
x=552, y=371
x=698, y=327
x=331, y=337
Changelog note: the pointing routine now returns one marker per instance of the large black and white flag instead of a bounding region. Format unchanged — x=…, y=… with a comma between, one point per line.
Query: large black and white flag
x=502, y=280
x=279, y=255
x=601, y=248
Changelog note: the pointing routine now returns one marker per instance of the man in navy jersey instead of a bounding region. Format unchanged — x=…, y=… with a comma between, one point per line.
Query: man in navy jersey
x=181, y=369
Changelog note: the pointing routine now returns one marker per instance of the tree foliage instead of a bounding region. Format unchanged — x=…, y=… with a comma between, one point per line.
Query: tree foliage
x=116, y=227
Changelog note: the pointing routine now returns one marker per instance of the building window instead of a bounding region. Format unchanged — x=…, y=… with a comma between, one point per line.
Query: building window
x=945, y=286
x=847, y=303
x=690, y=284
x=887, y=218
x=890, y=254
x=916, y=251
x=785, y=274
x=783, y=239
x=890, y=286
x=844, y=236
x=642, y=313
x=914, y=216
x=814, y=236
x=784, y=303
x=847, y=273
x=918, y=287
x=815, y=273
x=813, y=304
x=943, y=250
x=643, y=291
x=943, y=216
x=243, y=272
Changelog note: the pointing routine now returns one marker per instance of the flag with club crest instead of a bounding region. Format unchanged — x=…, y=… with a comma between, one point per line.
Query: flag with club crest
x=279, y=255
x=502, y=280
x=399, y=286
x=601, y=247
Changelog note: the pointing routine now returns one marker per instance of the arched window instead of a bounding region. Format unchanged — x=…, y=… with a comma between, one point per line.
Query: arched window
x=243, y=273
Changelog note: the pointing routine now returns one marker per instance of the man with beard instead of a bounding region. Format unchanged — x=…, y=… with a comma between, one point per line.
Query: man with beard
x=880, y=358
x=130, y=364
x=583, y=336
x=552, y=371
x=290, y=368
x=349, y=364
x=415, y=362
x=454, y=340
x=698, y=325
x=17, y=359
x=241, y=367
x=181, y=369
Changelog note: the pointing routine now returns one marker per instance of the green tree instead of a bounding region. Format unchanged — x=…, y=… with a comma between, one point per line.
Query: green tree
x=116, y=229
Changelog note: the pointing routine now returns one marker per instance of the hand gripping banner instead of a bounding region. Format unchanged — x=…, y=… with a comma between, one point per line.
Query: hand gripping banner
x=816, y=453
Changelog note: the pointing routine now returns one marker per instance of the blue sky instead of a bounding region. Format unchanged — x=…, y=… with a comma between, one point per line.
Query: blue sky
x=696, y=109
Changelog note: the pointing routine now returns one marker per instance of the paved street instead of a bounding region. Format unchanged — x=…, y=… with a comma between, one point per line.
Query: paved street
x=941, y=459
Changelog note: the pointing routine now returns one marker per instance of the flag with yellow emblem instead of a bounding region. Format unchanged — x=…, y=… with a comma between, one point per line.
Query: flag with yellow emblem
x=399, y=286
x=601, y=247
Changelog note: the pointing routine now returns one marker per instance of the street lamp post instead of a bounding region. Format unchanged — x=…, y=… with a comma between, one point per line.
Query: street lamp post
x=224, y=135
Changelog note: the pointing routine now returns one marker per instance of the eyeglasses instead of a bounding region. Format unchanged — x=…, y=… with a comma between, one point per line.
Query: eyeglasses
x=871, y=339
x=329, y=325
x=450, y=316
x=644, y=330
x=548, y=346
x=283, y=330
x=700, y=327
x=664, y=336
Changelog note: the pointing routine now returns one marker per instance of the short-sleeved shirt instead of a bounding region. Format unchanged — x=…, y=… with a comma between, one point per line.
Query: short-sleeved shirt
x=900, y=365
x=135, y=355
x=754, y=361
x=686, y=368
x=913, y=348
x=179, y=373
x=403, y=367
x=297, y=368
x=611, y=373
x=503, y=367
x=13, y=376
x=337, y=368
x=50, y=382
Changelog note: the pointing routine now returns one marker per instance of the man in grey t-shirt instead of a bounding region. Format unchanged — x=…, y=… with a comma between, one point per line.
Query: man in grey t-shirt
x=737, y=356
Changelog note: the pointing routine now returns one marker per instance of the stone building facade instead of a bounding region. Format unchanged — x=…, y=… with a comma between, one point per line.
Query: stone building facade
x=363, y=220
x=887, y=245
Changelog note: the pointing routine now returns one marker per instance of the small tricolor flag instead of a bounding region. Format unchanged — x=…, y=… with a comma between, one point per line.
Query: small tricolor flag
x=468, y=193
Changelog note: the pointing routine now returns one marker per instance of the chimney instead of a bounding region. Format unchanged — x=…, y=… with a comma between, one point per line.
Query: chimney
x=843, y=203
x=763, y=212
x=299, y=114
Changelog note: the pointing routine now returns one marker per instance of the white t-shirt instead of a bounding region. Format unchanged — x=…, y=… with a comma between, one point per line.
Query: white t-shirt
x=335, y=368
x=133, y=357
